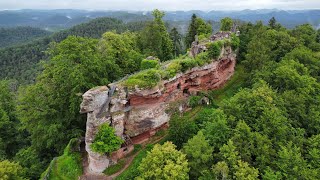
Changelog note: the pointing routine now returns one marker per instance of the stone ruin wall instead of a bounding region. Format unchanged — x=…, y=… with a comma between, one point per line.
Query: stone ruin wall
x=137, y=114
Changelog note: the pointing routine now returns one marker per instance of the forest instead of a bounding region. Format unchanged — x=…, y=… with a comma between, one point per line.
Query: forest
x=17, y=35
x=264, y=124
x=20, y=62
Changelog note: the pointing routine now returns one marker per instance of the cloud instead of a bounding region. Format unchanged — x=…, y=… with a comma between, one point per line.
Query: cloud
x=160, y=4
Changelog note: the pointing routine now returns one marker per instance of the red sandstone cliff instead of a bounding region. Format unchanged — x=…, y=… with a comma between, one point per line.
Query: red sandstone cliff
x=139, y=113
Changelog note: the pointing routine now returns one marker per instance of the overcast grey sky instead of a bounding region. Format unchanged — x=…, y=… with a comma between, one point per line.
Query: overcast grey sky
x=160, y=4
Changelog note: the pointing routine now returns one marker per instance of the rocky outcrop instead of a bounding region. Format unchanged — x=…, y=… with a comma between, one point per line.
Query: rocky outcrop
x=137, y=114
x=93, y=102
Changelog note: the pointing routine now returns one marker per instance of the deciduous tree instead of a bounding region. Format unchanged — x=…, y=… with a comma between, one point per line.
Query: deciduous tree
x=164, y=162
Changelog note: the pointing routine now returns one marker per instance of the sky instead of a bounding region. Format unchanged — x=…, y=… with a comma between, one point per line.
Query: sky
x=170, y=5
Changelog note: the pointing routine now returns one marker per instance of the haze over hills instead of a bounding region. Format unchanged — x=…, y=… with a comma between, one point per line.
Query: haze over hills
x=65, y=18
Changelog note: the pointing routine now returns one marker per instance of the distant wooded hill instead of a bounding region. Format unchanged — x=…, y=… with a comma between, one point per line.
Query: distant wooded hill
x=61, y=19
x=21, y=62
x=17, y=35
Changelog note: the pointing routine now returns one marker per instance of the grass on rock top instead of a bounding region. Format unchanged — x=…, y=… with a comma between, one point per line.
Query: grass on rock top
x=149, y=78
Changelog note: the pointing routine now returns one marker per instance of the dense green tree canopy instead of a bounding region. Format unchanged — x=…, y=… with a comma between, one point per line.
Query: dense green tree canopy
x=105, y=140
x=199, y=154
x=10, y=139
x=226, y=24
x=164, y=162
x=263, y=124
x=176, y=38
x=20, y=62
x=197, y=27
x=11, y=171
x=192, y=30
x=155, y=40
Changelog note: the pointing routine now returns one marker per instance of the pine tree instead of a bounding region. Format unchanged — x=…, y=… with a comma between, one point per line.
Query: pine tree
x=192, y=31
x=176, y=39
x=272, y=23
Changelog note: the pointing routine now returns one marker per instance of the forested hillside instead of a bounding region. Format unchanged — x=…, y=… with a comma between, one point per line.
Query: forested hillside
x=20, y=62
x=269, y=129
x=263, y=124
x=18, y=35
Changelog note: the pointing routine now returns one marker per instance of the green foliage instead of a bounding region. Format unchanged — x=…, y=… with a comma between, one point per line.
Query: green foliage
x=149, y=78
x=221, y=170
x=245, y=172
x=178, y=65
x=10, y=139
x=226, y=24
x=198, y=27
x=230, y=155
x=214, y=50
x=202, y=58
x=51, y=106
x=243, y=140
x=132, y=171
x=105, y=140
x=155, y=40
x=235, y=42
x=203, y=28
x=20, y=34
x=11, y=171
x=216, y=129
x=33, y=161
x=194, y=101
x=272, y=23
x=148, y=64
x=68, y=166
x=120, y=53
x=306, y=34
x=115, y=168
x=192, y=31
x=268, y=46
x=21, y=61
x=271, y=175
x=199, y=154
x=164, y=162
x=318, y=36
x=230, y=88
x=290, y=162
x=248, y=32
x=172, y=69
x=180, y=130
x=306, y=57
x=176, y=38
x=187, y=64
x=144, y=79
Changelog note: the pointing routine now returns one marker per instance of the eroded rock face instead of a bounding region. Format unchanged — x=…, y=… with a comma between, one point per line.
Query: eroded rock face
x=137, y=113
x=94, y=105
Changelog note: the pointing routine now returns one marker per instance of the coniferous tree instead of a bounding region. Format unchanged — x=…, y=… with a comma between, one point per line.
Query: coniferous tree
x=176, y=38
x=192, y=30
x=155, y=40
x=272, y=23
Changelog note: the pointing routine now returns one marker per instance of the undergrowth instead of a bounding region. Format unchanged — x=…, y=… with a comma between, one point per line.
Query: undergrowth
x=115, y=168
x=230, y=88
x=66, y=167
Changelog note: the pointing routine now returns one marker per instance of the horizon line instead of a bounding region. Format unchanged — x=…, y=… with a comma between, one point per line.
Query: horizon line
x=43, y=9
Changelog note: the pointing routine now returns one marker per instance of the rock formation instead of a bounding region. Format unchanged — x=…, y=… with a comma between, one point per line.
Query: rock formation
x=137, y=114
